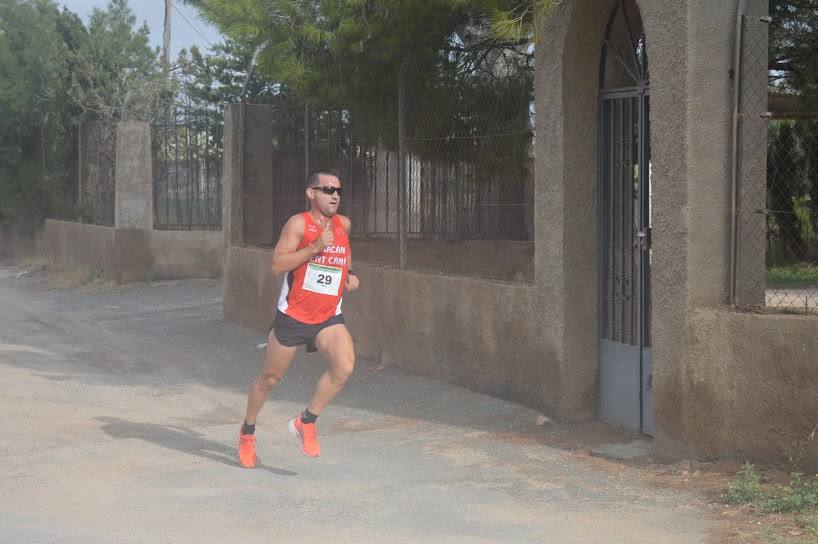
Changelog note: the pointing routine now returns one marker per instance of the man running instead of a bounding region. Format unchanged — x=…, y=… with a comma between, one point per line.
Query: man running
x=314, y=251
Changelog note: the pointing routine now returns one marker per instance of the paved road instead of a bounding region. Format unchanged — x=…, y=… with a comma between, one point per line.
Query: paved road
x=120, y=411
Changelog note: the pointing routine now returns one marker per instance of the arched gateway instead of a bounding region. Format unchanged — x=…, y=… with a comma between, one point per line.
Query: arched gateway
x=624, y=211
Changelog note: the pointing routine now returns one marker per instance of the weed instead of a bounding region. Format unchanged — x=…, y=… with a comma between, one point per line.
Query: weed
x=745, y=487
x=799, y=495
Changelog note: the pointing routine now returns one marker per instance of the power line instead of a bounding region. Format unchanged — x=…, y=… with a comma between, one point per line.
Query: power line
x=191, y=25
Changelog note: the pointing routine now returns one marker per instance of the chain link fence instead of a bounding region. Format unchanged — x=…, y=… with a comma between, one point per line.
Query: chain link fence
x=776, y=259
x=97, y=172
x=468, y=171
x=187, y=166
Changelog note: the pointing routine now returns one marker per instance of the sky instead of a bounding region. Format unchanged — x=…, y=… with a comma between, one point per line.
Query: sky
x=184, y=33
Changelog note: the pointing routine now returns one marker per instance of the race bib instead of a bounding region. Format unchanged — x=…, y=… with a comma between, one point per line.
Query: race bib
x=323, y=279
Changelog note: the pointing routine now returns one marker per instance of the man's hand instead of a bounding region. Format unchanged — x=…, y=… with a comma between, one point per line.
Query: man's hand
x=352, y=282
x=325, y=240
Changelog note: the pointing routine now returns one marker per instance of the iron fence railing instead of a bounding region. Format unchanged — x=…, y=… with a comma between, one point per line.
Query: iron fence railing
x=187, y=172
x=468, y=176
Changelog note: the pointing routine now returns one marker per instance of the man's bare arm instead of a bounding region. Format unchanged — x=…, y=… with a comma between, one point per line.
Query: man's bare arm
x=346, y=223
x=286, y=255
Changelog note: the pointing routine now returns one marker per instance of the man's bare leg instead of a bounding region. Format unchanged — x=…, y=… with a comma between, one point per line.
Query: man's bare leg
x=335, y=344
x=277, y=361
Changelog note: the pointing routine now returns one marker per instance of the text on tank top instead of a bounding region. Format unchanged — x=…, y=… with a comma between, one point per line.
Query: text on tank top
x=313, y=291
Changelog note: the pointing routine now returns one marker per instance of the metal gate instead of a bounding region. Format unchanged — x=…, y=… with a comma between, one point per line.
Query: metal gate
x=625, y=369
x=187, y=180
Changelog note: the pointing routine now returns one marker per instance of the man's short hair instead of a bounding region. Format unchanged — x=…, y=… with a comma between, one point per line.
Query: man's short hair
x=312, y=179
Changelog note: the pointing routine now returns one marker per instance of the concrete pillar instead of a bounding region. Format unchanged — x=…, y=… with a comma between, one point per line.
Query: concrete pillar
x=247, y=179
x=133, y=201
x=257, y=172
x=565, y=207
x=709, y=103
x=232, y=189
x=751, y=269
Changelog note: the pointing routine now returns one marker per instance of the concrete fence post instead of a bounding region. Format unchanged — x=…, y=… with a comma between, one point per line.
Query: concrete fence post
x=247, y=175
x=133, y=200
x=751, y=269
x=232, y=186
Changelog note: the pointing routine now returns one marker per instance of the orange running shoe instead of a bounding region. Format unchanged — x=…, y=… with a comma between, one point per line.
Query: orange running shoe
x=247, y=450
x=308, y=434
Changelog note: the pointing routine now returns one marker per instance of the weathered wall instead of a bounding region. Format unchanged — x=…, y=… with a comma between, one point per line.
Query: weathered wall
x=250, y=293
x=749, y=387
x=710, y=366
x=128, y=255
x=691, y=267
x=167, y=255
x=78, y=245
x=476, y=333
x=479, y=334
x=186, y=254
x=497, y=259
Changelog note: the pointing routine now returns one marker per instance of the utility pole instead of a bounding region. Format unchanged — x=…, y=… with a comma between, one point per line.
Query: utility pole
x=166, y=39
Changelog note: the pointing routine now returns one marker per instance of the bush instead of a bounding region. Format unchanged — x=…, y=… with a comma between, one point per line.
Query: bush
x=799, y=495
x=745, y=487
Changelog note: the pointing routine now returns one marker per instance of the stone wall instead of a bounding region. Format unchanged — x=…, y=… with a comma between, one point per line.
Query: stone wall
x=479, y=334
x=748, y=390
x=128, y=255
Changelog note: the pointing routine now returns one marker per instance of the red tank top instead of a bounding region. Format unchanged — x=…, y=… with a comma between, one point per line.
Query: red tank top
x=313, y=292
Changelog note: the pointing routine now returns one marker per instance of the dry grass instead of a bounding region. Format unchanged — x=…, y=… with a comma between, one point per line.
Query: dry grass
x=62, y=278
x=74, y=278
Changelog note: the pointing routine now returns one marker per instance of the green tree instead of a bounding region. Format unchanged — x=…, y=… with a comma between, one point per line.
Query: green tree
x=793, y=52
x=792, y=166
x=220, y=75
x=55, y=73
x=118, y=73
x=36, y=42
x=349, y=52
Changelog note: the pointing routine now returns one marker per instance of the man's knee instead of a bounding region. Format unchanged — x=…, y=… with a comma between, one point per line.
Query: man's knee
x=271, y=379
x=343, y=367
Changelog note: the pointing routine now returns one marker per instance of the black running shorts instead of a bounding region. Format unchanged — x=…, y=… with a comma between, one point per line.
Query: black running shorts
x=291, y=332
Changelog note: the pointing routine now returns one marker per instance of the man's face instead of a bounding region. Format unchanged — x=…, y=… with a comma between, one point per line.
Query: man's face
x=325, y=203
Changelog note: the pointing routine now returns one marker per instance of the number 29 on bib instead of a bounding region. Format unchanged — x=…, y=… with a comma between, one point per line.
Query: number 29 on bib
x=323, y=279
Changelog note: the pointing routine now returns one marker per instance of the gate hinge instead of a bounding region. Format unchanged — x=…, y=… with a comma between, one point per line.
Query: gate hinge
x=644, y=238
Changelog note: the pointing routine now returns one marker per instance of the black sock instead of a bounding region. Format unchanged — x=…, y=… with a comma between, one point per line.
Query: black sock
x=308, y=417
x=248, y=429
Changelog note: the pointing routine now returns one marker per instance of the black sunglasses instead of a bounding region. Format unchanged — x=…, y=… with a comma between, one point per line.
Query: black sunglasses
x=328, y=189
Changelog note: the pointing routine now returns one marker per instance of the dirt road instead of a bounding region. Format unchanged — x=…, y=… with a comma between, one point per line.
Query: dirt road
x=120, y=412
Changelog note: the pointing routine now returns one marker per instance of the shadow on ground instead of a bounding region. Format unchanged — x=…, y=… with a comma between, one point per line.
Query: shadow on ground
x=179, y=439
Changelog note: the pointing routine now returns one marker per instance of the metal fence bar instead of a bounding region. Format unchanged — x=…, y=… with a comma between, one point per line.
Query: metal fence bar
x=457, y=201
x=187, y=172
